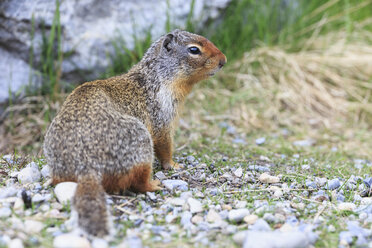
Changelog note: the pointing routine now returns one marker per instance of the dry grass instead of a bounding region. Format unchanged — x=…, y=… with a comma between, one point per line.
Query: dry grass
x=23, y=125
x=323, y=92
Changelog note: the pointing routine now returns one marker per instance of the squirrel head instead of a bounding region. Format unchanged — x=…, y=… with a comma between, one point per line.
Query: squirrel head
x=180, y=57
x=195, y=56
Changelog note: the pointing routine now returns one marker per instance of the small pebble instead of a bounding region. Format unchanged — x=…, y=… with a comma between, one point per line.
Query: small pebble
x=195, y=205
x=266, y=178
x=33, y=226
x=45, y=171
x=333, y=184
x=29, y=175
x=260, y=225
x=250, y=219
x=99, y=243
x=160, y=175
x=346, y=206
x=213, y=216
x=238, y=172
x=175, y=184
x=70, y=240
x=5, y=212
x=15, y=243
x=260, y=141
x=65, y=191
x=237, y=215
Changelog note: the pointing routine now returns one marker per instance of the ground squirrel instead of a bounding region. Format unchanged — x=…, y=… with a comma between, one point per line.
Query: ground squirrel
x=107, y=131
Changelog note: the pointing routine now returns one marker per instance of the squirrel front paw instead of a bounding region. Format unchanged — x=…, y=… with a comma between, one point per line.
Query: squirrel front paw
x=171, y=165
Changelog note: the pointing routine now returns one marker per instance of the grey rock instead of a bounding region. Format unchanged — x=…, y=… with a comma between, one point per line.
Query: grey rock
x=16, y=243
x=160, y=175
x=269, y=217
x=29, y=175
x=8, y=192
x=37, y=198
x=257, y=239
x=151, y=195
x=45, y=171
x=321, y=181
x=89, y=28
x=239, y=141
x=259, y=168
x=190, y=159
x=65, y=191
x=260, y=141
x=195, y=205
x=310, y=184
x=237, y=215
x=306, y=142
x=186, y=219
x=260, y=225
x=333, y=184
x=131, y=242
x=5, y=212
x=175, y=184
x=70, y=240
x=99, y=243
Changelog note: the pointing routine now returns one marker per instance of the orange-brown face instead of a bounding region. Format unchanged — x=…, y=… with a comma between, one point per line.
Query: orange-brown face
x=204, y=57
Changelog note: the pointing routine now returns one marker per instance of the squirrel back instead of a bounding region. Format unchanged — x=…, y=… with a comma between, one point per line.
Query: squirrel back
x=107, y=131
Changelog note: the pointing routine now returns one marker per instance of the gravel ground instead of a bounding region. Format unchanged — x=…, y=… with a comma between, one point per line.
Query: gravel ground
x=213, y=202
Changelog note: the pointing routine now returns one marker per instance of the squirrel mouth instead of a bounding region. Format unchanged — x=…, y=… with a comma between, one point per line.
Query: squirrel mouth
x=212, y=73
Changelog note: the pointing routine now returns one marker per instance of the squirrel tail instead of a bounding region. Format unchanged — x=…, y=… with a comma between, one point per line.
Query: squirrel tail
x=90, y=203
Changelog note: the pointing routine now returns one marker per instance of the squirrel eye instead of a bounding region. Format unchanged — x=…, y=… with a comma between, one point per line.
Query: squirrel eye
x=194, y=50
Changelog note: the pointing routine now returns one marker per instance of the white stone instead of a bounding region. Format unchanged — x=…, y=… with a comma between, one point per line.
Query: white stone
x=195, y=205
x=33, y=226
x=65, y=191
x=5, y=212
x=70, y=240
x=175, y=184
x=19, y=204
x=177, y=201
x=346, y=206
x=238, y=172
x=197, y=219
x=15, y=243
x=29, y=175
x=278, y=193
x=213, y=216
x=259, y=239
x=37, y=198
x=99, y=243
x=266, y=178
x=45, y=171
x=237, y=215
x=250, y=219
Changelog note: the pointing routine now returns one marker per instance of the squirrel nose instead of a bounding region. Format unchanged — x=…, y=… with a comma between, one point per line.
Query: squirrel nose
x=222, y=62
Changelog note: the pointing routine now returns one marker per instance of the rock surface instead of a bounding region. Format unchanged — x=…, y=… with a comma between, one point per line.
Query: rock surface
x=88, y=29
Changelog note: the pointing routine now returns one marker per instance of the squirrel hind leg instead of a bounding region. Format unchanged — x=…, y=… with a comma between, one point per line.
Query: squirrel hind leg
x=139, y=179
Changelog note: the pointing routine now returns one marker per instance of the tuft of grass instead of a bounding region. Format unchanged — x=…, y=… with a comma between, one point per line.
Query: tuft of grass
x=251, y=23
x=51, y=57
x=123, y=58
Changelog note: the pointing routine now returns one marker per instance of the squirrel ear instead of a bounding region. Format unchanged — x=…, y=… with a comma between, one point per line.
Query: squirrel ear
x=168, y=39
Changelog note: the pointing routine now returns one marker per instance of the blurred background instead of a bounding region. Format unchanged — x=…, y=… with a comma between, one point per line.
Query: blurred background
x=296, y=68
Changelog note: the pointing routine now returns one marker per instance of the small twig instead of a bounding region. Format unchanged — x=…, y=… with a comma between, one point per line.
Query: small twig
x=263, y=190
x=320, y=211
x=128, y=212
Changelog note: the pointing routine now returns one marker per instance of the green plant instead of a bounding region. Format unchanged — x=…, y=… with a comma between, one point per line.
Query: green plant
x=123, y=58
x=51, y=57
